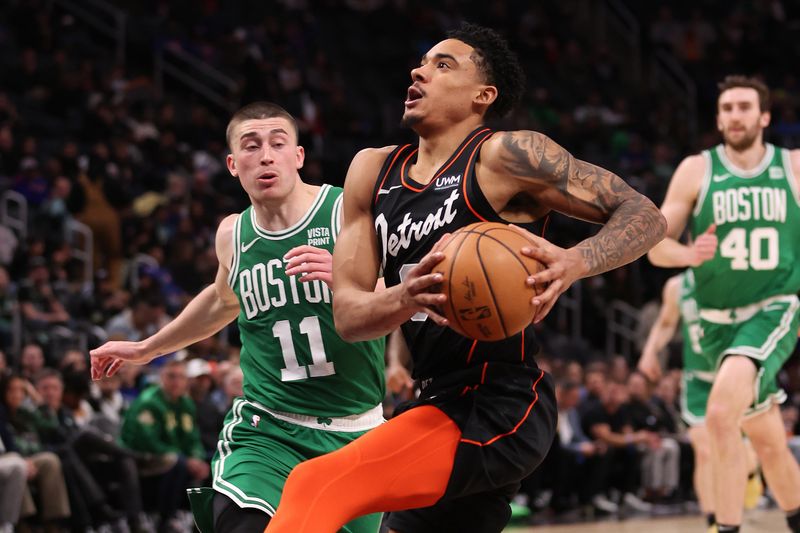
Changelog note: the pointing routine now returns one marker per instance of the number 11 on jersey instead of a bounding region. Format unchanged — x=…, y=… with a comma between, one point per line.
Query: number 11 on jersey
x=294, y=371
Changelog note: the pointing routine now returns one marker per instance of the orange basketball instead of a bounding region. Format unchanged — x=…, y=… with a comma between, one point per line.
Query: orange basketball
x=484, y=281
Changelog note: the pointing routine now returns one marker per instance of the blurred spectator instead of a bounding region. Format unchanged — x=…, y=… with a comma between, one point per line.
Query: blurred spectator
x=661, y=460
x=162, y=421
x=145, y=316
x=109, y=402
x=576, y=467
x=209, y=416
x=32, y=361
x=13, y=481
x=43, y=468
x=40, y=307
x=101, y=462
x=103, y=219
x=8, y=308
x=609, y=422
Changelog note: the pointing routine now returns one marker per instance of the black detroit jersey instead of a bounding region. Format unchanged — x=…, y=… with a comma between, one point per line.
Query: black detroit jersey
x=410, y=218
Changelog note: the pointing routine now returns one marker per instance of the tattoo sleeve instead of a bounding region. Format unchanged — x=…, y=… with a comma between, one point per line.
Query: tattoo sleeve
x=632, y=224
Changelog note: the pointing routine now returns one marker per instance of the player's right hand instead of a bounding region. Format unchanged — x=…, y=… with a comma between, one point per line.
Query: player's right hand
x=704, y=247
x=650, y=367
x=420, y=290
x=109, y=358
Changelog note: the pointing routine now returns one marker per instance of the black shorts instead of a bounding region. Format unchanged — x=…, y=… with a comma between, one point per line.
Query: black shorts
x=486, y=512
x=507, y=416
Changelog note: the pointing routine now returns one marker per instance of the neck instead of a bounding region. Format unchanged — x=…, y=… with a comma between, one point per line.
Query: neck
x=748, y=158
x=436, y=147
x=285, y=212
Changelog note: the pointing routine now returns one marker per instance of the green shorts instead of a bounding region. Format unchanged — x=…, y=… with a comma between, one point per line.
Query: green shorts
x=695, y=390
x=258, y=448
x=765, y=332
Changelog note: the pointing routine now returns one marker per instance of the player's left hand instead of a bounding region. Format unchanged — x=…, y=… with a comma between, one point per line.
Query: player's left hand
x=562, y=268
x=309, y=263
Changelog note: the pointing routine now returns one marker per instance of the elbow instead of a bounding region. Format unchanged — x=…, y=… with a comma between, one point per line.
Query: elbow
x=345, y=331
x=345, y=328
x=660, y=225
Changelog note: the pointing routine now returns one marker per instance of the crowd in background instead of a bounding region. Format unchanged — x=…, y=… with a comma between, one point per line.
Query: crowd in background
x=141, y=164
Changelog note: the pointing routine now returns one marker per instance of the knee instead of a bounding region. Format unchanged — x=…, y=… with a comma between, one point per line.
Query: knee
x=768, y=450
x=48, y=462
x=721, y=418
x=303, y=475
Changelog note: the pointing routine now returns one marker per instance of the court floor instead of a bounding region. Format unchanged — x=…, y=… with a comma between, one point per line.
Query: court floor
x=757, y=521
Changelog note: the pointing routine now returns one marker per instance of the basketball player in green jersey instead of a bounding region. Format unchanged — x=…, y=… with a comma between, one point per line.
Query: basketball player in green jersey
x=741, y=200
x=306, y=391
x=678, y=305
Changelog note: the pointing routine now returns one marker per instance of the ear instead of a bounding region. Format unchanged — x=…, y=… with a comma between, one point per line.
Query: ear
x=231, y=164
x=764, y=119
x=719, y=124
x=486, y=95
x=300, y=157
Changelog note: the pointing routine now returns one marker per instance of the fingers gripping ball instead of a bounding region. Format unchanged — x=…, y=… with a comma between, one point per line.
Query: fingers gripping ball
x=484, y=281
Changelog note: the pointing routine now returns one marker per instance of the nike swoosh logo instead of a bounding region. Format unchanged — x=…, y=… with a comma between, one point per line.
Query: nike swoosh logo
x=247, y=246
x=390, y=189
x=721, y=177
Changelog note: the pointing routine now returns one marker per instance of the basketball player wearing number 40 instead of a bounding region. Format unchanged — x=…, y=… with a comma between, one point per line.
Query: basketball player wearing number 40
x=306, y=391
x=741, y=202
x=452, y=459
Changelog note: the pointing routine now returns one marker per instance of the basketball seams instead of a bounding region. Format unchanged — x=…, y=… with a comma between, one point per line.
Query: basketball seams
x=514, y=252
x=489, y=282
x=484, y=265
x=450, y=283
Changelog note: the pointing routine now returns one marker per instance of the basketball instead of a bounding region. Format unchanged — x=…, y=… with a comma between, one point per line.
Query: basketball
x=484, y=281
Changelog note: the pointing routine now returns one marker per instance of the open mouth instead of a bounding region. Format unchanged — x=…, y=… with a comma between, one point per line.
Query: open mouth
x=414, y=94
x=267, y=177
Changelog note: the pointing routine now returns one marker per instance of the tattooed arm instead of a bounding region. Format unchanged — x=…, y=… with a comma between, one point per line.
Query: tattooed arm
x=530, y=163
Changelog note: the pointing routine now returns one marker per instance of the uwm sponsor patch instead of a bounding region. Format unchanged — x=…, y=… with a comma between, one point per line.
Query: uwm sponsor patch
x=446, y=182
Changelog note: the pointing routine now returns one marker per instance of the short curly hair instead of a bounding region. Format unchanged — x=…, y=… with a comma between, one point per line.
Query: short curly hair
x=498, y=64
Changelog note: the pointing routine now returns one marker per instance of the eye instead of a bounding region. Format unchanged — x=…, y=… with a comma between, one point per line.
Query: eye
x=442, y=64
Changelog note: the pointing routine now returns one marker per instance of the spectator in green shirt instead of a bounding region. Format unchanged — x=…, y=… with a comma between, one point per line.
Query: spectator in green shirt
x=162, y=422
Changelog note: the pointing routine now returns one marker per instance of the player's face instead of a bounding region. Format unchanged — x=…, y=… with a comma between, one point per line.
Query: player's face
x=739, y=117
x=447, y=85
x=266, y=157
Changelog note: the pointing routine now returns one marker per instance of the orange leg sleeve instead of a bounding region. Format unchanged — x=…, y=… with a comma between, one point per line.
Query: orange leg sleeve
x=403, y=464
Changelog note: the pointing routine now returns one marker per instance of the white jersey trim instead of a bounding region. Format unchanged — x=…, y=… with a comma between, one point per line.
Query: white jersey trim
x=236, y=235
x=297, y=227
x=336, y=217
x=705, y=184
x=790, y=177
x=736, y=315
x=740, y=172
x=353, y=423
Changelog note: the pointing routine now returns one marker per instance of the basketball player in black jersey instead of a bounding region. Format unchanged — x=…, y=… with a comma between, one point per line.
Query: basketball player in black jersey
x=453, y=459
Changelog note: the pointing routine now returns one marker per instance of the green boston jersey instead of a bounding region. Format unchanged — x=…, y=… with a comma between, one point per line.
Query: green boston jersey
x=292, y=358
x=758, y=226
